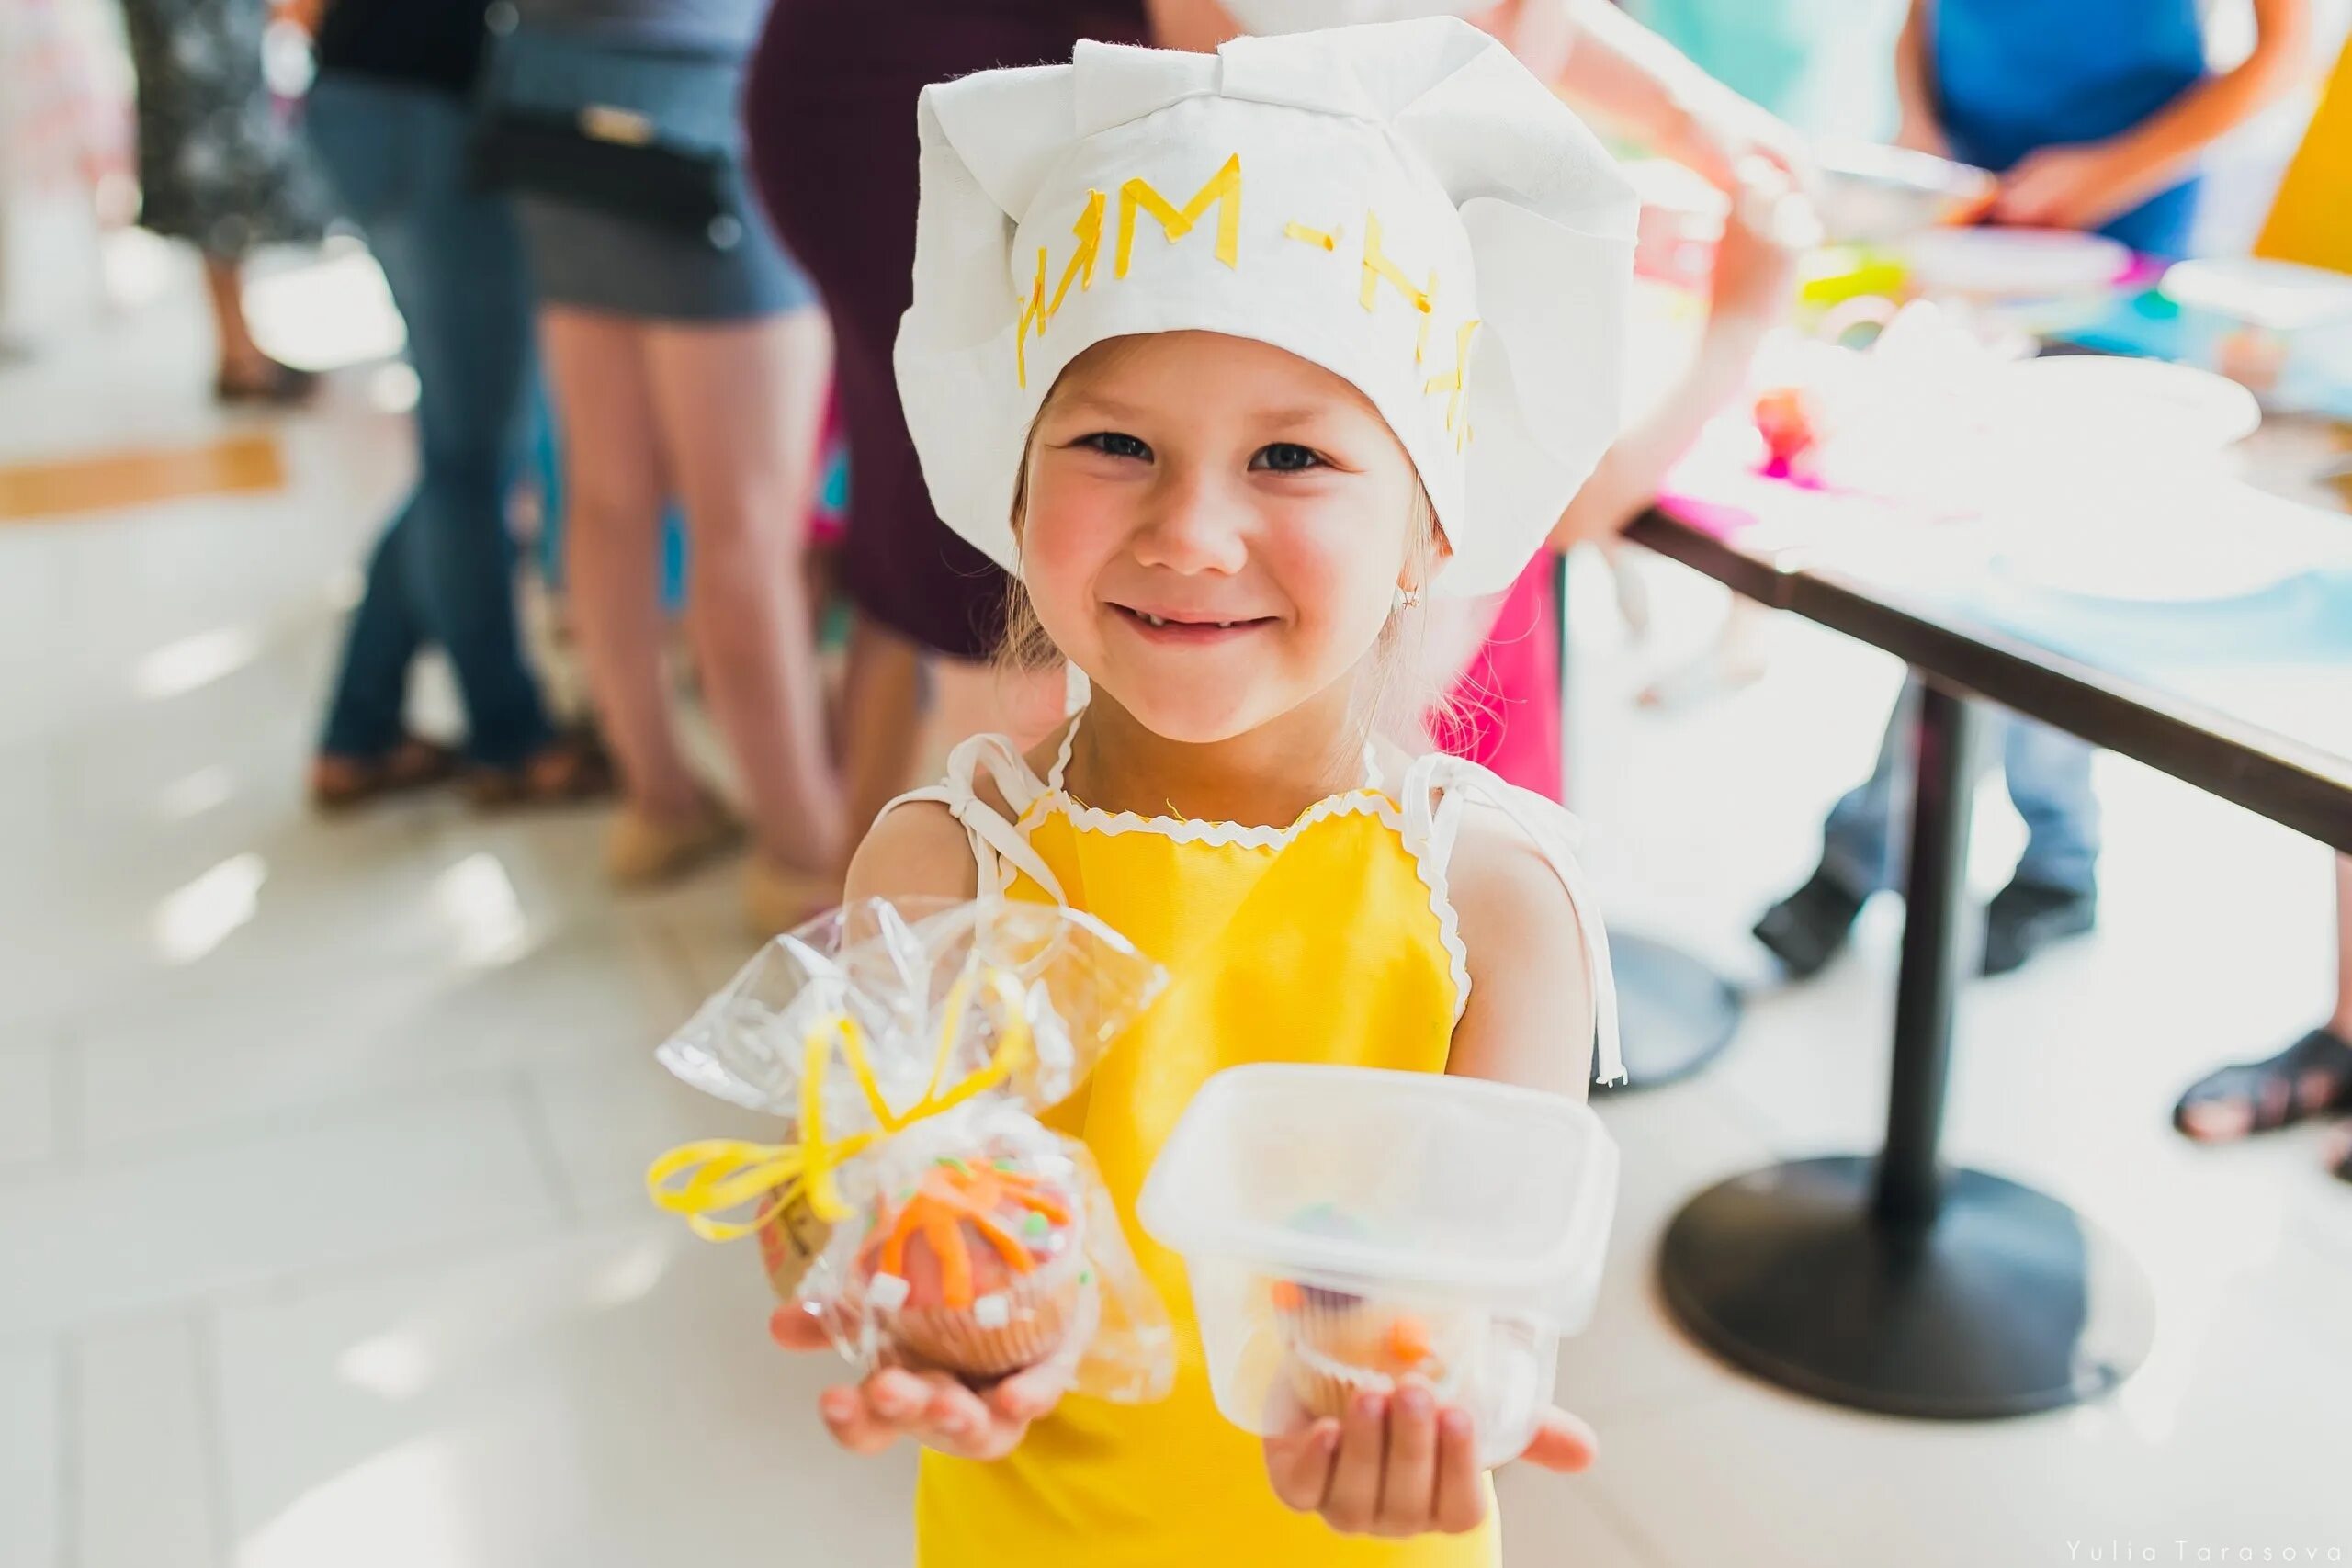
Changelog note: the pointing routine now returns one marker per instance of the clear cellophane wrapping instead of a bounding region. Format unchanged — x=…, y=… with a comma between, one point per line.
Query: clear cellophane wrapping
x=913, y=1197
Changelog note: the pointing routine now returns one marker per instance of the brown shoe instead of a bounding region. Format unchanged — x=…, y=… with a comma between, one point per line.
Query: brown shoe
x=778, y=897
x=642, y=851
x=569, y=769
x=270, y=383
x=339, y=783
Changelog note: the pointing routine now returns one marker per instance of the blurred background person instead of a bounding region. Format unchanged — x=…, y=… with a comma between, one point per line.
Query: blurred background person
x=1823, y=67
x=2310, y=224
x=830, y=109
x=220, y=168
x=687, y=357
x=1498, y=659
x=2094, y=114
x=389, y=119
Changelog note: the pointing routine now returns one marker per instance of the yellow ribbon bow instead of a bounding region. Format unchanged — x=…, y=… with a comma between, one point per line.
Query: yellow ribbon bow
x=723, y=1173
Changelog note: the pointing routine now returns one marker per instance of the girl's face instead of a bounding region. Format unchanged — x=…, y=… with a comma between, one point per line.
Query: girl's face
x=1215, y=529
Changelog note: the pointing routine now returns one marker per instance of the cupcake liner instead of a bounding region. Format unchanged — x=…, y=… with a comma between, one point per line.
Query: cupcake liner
x=1037, y=1313
x=1325, y=1387
x=1341, y=1346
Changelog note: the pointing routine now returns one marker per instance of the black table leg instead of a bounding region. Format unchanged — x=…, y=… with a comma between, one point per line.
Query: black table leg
x=1894, y=1284
x=1675, y=1014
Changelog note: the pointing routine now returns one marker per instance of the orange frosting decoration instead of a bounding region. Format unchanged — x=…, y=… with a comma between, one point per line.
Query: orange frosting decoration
x=1408, y=1340
x=953, y=1194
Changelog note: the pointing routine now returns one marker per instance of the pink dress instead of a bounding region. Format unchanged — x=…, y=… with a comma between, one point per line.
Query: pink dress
x=1505, y=710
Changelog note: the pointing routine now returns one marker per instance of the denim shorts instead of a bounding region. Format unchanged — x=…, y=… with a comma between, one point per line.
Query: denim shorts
x=594, y=260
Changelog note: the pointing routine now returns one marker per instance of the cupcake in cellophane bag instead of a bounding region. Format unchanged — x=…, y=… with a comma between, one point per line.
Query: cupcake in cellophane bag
x=977, y=1264
x=914, y=1199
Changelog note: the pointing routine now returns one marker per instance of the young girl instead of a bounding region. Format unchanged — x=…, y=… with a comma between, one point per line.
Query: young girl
x=1230, y=359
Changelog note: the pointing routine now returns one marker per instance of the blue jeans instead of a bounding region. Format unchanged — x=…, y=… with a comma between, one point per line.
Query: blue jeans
x=2049, y=777
x=444, y=571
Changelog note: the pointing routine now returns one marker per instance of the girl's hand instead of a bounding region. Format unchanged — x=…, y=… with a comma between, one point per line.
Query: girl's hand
x=932, y=1408
x=1767, y=232
x=1404, y=1466
x=1721, y=132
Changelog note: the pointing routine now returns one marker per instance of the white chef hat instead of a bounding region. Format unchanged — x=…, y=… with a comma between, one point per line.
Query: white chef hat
x=1401, y=204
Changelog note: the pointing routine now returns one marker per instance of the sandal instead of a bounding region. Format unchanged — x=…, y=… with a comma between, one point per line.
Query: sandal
x=567, y=769
x=642, y=851
x=2311, y=1077
x=339, y=783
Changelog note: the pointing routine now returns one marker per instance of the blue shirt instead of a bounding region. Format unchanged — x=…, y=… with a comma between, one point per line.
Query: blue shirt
x=2012, y=76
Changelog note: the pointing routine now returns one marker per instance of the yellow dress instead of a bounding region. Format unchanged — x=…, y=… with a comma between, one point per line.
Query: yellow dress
x=1330, y=941
x=2310, y=220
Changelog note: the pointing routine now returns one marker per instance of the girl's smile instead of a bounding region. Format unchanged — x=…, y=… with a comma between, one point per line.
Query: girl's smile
x=1215, y=530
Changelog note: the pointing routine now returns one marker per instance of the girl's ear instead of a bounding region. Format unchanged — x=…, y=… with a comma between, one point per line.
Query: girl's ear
x=1440, y=552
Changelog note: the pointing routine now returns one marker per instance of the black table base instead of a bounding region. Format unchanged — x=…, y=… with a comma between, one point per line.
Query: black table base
x=1675, y=1015
x=2004, y=1304
x=1892, y=1284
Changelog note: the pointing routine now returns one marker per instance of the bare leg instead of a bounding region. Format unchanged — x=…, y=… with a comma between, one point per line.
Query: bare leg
x=614, y=489
x=1734, y=660
x=974, y=699
x=224, y=284
x=244, y=370
x=741, y=406
x=881, y=717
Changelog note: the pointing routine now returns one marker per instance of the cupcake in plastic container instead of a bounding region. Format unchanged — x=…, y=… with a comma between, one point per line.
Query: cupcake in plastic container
x=1344, y=1229
x=976, y=1266
x=1339, y=1345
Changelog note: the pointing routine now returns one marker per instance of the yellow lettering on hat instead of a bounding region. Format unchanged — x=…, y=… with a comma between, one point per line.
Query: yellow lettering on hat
x=1451, y=385
x=1037, y=309
x=1377, y=267
x=1088, y=230
x=1033, y=311
x=1223, y=190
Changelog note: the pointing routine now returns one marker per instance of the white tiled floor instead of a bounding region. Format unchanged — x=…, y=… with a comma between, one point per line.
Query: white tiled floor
x=322, y=1236
x=146, y=1461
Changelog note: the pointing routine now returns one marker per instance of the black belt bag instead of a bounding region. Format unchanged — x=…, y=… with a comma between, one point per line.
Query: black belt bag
x=642, y=131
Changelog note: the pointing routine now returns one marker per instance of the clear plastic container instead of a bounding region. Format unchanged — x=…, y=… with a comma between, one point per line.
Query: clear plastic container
x=1342, y=1227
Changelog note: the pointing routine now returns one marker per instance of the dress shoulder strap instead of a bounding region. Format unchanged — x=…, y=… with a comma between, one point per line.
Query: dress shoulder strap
x=998, y=849
x=1436, y=791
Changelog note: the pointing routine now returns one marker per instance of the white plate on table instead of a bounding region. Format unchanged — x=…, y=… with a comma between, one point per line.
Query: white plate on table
x=2167, y=409
x=2281, y=295
x=2014, y=263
